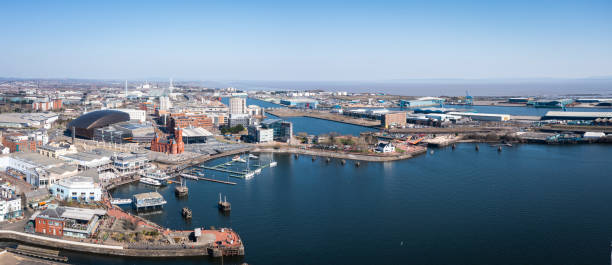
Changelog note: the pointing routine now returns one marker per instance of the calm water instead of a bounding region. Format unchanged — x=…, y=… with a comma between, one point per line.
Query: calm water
x=530, y=204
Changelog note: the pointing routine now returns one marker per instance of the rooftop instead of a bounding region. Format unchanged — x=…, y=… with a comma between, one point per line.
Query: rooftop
x=83, y=214
x=37, y=159
x=77, y=182
x=148, y=196
x=85, y=156
x=193, y=132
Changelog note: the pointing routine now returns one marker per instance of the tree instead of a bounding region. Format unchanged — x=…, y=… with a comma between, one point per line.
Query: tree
x=333, y=137
x=233, y=130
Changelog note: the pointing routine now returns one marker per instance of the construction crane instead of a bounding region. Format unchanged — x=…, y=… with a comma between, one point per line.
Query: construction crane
x=468, y=99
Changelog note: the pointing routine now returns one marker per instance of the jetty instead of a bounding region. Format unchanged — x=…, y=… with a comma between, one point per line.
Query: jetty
x=209, y=179
x=244, y=174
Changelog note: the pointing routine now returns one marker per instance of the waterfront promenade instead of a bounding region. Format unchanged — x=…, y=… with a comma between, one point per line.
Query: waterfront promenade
x=370, y=157
x=106, y=249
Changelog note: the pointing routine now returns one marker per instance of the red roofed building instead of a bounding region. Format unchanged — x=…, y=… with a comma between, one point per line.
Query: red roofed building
x=171, y=145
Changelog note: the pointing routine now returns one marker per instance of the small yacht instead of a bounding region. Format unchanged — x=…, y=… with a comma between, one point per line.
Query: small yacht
x=150, y=181
x=239, y=159
x=249, y=175
x=252, y=156
x=273, y=164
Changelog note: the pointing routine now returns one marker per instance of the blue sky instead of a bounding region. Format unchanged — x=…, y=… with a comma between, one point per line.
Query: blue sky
x=308, y=40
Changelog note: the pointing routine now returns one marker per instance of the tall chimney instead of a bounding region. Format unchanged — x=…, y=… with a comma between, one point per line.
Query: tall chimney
x=73, y=134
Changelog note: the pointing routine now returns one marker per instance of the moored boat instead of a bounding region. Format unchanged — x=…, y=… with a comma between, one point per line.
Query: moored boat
x=150, y=181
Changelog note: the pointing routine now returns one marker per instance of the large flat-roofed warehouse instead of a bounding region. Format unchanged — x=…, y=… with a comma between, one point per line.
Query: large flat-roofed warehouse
x=195, y=135
x=28, y=120
x=482, y=116
x=86, y=124
x=575, y=115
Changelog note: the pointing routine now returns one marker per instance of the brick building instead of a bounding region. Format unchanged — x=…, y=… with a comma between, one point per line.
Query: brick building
x=171, y=145
x=394, y=119
x=68, y=221
x=17, y=142
x=181, y=120
x=49, y=222
x=54, y=104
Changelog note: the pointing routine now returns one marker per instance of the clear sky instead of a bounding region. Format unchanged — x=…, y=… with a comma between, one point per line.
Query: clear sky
x=305, y=40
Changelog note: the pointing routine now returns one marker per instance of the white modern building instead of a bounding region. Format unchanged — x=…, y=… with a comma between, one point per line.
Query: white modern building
x=77, y=188
x=36, y=169
x=10, y=203
x=136, y=114
x=254, y=110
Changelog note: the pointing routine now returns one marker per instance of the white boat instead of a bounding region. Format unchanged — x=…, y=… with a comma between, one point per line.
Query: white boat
x=249, y=175
x=258, y=171
x=187, y=176
x=150, y=181
x=239, y=159
x=121, y=201
x=157, y=175
x=273, y=164
x=252, y=156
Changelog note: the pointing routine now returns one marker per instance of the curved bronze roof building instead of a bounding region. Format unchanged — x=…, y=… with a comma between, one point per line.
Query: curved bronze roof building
x=86, y=124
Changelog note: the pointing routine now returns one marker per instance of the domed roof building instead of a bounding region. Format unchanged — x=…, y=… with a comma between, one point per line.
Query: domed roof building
x=87, y=123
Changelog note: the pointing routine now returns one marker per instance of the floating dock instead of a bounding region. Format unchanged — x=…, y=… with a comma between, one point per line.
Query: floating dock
x=148, y=201
x=209, y=179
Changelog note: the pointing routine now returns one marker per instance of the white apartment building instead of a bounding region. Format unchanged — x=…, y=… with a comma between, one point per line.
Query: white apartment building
x=164, y=103
x=237, y=105
x=136, y=114
x=10, y=204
